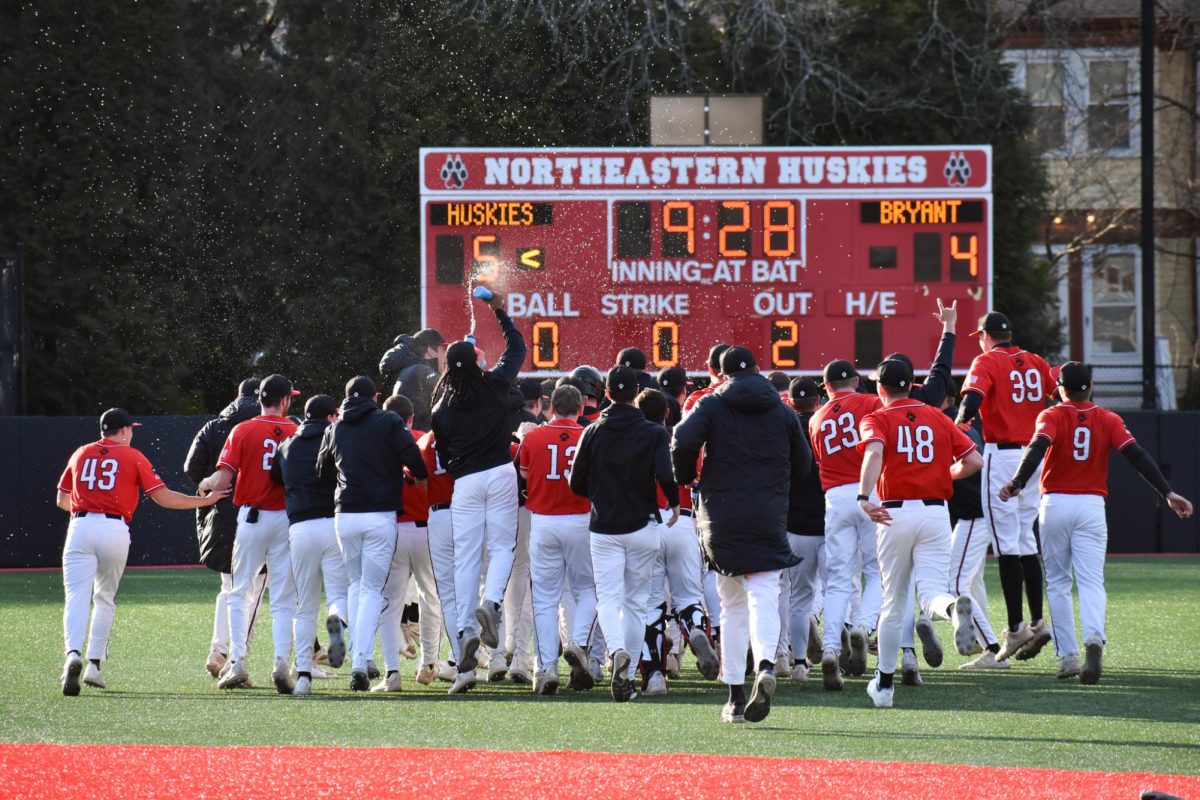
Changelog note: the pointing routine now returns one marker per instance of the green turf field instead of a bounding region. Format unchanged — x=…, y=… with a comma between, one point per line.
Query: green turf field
x=1144, y=716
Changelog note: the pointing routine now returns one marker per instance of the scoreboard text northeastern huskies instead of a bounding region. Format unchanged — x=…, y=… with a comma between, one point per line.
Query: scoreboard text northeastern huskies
x=801, y=254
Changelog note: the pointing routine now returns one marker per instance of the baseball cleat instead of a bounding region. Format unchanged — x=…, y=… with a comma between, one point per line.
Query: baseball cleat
x=814, y=641
x=831, y=672
x=547, y=682
x=92, y=676
x=857, y=663
x=373, y=670
x=390, y=683
x=446, y=671
x=931, y=645
x=303, y=686
x=910, y=671
x=672, y=666
x=597, y=669
x=281, y=677
x=520, y=677
x=427, y=674
x=759, y=704
x=1041, y=637
x=621, y=686
x=844, y=653
x=656, y=685
x=1093, y=662
x=881, y=697
x=469, y=653
x=800, y=672
x=319, y=674
x=581, y=677
x=706, y=658
x=359, y=681
x=783, y=664
x=986, y=661
x=463, y=682
x=216, y=660
x=733, y=712
x=236, y=676
x=1069, y=668
x=337, y=640
x=1014, y=641
x=488, y=616
x=964, y=626
x=497, y=667
x=70, y=677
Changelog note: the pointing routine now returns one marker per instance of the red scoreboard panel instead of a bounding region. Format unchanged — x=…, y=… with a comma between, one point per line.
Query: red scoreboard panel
x=801, y=254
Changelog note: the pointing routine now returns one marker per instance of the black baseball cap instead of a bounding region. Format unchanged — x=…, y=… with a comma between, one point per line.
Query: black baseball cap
x=631, y=357
x=993, y=322
x=361, y=386
x=248, y=387
x=714, y=356
x=900, y=357
x=1075, y=377
x=115, y=419
x=839, y=370
x=737, y=359
x=673, y=378
x=460, y=355
x=803, y=388
x=274, y=388
x=894, y=374
x=622, y=383
x=531, y=389
x=320, y=406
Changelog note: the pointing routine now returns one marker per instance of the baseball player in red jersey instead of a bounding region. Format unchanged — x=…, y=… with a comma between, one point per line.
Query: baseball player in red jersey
x=410, y=559
x=849, y=537
x=1076, y=438
x=1008, y=387
x=439, y=490
x=912, y=455
x=559, y=542
x=100, y=488
x=262, y=534
x=714, y=370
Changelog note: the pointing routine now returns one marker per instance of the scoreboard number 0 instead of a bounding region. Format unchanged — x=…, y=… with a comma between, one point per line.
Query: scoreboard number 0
x=545, y=345
x=665, y=335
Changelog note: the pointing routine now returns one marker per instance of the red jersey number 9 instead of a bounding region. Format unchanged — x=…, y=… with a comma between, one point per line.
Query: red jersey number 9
x=1082, y=441
x=1027, y=386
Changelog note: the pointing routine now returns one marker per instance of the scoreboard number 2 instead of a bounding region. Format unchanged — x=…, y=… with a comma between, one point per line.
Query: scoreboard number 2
x=785, y=343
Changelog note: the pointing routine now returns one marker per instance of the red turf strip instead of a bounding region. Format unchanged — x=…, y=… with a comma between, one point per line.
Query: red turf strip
x=135, y=771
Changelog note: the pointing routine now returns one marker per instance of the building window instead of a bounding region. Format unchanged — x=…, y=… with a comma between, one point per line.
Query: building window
x=1111, y=289
x=1081, y=99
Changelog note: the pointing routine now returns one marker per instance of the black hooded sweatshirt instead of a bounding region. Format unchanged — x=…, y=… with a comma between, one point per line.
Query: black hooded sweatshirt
x=754, y=450
x=308, y=495
x=369, y=449
x=472, y=434
x=619, y=459
x=216, y=525
x=414, y=377
x=806, y=498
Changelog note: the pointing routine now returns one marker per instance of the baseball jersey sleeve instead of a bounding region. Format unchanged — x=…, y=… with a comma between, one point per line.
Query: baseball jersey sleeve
x=230, y=458
x=66, y=483
x=962, y=444
x=1047, y=425
x=979, y=378
x=871, y=429
x=1118, y=433
x=147, y=478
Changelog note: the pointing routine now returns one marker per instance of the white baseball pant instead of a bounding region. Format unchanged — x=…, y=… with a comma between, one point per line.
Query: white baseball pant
x=802, y=580
x=968, y=549
x=915, y=548
x=256, y=544
x=441, y=556
x=94, y=558
x=560, y=559
x=518, y=601
x=751, y=607
x=1009, y=524
x=622, y=565
x=783, y=647
x=410, y=558
x=1074, y=540
x=220, y=638
x=680, y=565
x=484, y=512
x=310, y=543
x=849, y=542
x=367, y=540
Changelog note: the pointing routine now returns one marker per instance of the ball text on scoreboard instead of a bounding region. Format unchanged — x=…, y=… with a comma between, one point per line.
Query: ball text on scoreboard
x=802, y=254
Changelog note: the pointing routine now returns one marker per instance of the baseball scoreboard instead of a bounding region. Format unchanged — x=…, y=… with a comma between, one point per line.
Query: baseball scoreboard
x=801, y=254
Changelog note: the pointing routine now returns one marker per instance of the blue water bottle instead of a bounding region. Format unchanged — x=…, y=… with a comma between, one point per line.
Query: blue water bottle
x=483, y=293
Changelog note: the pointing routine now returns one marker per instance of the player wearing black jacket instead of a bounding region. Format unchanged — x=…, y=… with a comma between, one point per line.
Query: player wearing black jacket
x=312, y=540
x=619, y=459
x=472, y=435
x=368, y=449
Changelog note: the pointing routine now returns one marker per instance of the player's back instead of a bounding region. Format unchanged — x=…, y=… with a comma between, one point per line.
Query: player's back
x=833, y=431
x=249, y=452
x=1081, y=435
x=547, y=453
x=440, y=488
x=1014, y=385
x=920, y=444
x=108, y=477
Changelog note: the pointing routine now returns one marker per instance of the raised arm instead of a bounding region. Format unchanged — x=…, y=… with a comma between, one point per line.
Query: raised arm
x=514, y=344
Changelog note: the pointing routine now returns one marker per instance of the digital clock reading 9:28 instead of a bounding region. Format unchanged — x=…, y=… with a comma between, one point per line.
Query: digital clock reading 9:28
x=697, y=228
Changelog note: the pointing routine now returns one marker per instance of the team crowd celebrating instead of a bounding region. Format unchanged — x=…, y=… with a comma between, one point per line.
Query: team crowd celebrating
x=488, y=526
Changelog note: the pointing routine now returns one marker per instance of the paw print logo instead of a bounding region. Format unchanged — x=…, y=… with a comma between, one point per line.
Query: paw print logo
x=957, y=170
x=278, y=431
x=911, y=417
x=1082, y=418
x=454, y=172
x=103, y=451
